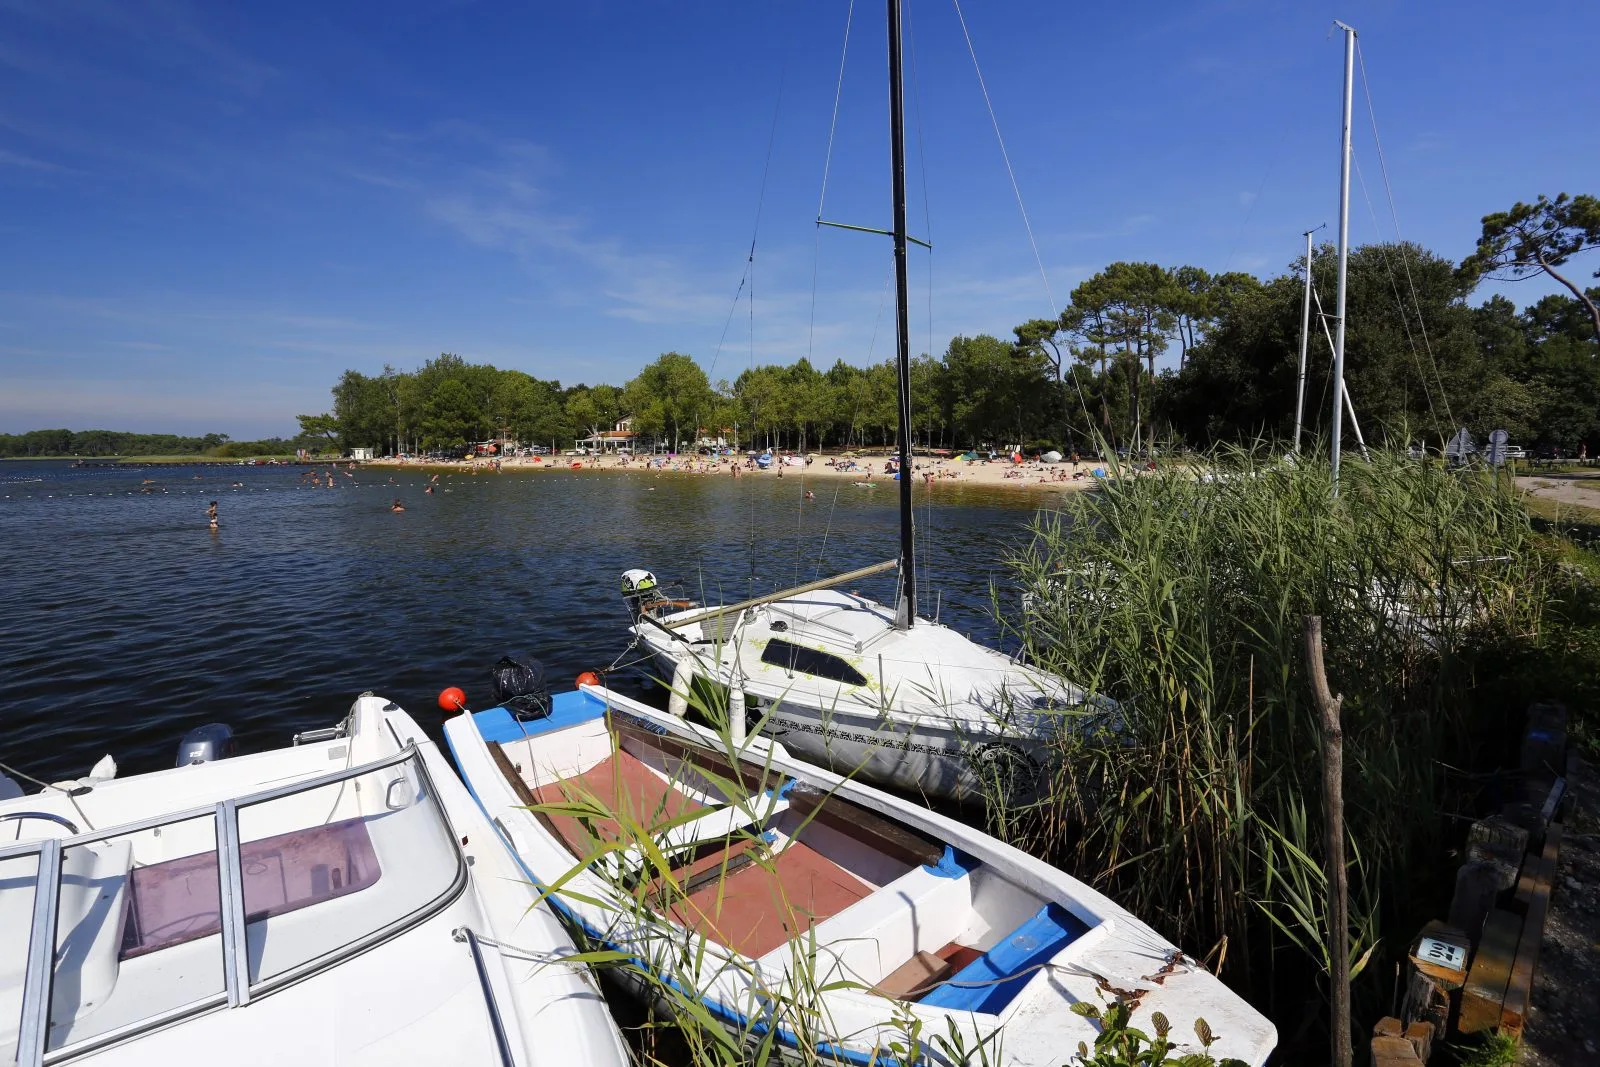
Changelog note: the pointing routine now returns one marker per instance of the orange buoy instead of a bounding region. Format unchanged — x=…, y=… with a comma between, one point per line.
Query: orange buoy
x=588, y=678
x=453, y=699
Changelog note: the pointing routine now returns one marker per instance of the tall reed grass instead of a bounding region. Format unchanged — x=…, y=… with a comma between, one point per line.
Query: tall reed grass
x=1183, y=599
x=708, y=1006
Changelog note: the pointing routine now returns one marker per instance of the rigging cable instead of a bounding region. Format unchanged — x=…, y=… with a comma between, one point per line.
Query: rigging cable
x=1400, y=306
x=1405, y=258
x=927, y=541
x=827, y=165
x=1016, y=189
x=816, y=262
x=750, y=273
x=855, y=417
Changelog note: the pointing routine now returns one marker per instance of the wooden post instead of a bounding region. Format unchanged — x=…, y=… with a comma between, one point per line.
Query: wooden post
x=1328, y=706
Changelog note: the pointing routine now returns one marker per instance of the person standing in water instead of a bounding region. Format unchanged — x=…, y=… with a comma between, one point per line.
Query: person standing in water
x=211, y=514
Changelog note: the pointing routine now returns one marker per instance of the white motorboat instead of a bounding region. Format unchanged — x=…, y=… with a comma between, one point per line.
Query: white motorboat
x=863, y=688
x=339, y=901
x=798, y=906
x=830, y=675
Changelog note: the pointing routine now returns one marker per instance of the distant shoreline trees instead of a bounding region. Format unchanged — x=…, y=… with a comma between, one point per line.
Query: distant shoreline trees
x=1421, y=360
x=101, y=443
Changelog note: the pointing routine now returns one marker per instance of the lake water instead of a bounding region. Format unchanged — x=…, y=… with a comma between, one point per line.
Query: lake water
x=124, y=621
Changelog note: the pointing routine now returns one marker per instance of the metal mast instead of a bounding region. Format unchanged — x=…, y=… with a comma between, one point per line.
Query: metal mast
x=906, y=610
x=1344, y=244
x=1305, y=335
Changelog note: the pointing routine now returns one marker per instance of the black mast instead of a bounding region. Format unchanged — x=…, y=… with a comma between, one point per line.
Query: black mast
x=906, y=610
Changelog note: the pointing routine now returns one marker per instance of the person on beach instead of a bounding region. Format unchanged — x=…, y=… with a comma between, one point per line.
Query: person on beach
x=211, y=514
x=397, y=507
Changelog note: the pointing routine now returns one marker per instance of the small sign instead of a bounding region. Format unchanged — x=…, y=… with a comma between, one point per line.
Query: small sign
x=1497, y=447
x=1460, y=446
x=1442, y=954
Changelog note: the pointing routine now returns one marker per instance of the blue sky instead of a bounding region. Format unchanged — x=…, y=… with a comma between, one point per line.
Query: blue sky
x=210, y=210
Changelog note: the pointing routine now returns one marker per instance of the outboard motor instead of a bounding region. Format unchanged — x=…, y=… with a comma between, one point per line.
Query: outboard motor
x=520, y=688
x=207, y=743
x=639, y=590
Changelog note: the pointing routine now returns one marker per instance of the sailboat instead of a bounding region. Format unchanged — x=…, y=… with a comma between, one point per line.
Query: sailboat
x=869, y=690
x=341, y=900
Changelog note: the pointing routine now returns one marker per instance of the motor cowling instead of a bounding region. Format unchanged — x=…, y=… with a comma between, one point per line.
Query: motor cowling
x=639, y=589
x=205, y=744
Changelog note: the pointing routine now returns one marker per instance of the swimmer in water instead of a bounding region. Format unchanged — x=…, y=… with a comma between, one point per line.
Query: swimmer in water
x=429, y=490
x=810, y=495
x=397, y=507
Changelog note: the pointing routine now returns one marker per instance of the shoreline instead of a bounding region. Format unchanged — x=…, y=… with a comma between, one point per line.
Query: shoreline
x=999, y=474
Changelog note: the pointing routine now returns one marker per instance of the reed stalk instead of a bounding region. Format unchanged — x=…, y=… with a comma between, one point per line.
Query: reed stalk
x=1182, y=599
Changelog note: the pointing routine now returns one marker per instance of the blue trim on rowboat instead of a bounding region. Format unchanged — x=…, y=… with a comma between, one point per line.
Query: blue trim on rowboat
x=991, y=981
x=953, y=864
x=716, y=1007
x=566, y=709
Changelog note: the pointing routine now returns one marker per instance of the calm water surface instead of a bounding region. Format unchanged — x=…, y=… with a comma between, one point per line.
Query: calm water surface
x=124, y=621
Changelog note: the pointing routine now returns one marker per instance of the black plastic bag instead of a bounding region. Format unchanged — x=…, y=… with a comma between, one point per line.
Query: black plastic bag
x=519, y=686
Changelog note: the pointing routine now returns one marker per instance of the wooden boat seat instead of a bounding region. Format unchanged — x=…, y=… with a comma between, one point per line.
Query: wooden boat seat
x=762, y=905
x=620, y=783
x=893, y=839
x=915, y=977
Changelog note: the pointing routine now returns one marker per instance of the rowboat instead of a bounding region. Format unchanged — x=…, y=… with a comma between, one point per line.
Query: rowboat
x=795, y=906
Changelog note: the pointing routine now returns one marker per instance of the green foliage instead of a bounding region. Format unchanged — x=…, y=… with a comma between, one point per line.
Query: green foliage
x=1419, y=359
x=668, y=397
x=1120, y=1044
x=106, y=443
x=1536, y=239
x=1183, y=601
x=1428, y=365
x=1495, y=1050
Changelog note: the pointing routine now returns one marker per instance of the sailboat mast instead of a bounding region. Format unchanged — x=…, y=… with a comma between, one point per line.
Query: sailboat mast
x=1344, y=244
x=906, y=610
x=1305, y=336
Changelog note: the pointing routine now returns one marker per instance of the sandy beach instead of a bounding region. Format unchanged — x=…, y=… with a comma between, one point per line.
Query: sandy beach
x=999, y=473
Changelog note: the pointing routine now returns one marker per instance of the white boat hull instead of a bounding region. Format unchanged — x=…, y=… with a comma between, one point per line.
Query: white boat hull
x=957, y=759
x=978, y=892
x=363, y=863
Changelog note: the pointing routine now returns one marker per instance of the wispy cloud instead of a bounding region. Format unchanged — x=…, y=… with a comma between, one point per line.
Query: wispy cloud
x=17, y=159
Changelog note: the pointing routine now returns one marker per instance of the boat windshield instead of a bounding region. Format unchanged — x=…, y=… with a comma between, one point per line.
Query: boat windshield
x=107, y=934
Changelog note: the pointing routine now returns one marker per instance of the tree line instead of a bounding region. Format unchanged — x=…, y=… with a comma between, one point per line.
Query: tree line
x=1421, y=360
x=118, y=443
